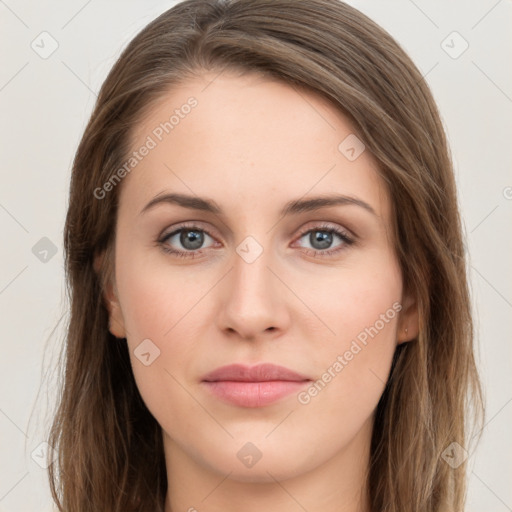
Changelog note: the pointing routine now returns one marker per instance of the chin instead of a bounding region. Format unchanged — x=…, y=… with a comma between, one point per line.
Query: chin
x=273, y=464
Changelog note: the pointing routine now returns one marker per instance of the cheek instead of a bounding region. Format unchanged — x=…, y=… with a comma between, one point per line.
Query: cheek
x=156, y=297
x=355, y=299
x=353, y=365
x=361, y=311
x=161, y=306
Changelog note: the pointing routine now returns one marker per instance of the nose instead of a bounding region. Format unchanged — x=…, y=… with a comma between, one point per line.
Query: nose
x=253, y=302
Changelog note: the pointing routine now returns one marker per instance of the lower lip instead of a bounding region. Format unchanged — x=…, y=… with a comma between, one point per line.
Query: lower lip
x=253, y=394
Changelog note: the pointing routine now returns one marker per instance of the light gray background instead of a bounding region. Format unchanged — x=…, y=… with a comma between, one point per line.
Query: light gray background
x=45, y=104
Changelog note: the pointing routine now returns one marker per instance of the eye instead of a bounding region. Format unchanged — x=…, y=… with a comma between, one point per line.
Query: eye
x=191, y=238
x=321, y=239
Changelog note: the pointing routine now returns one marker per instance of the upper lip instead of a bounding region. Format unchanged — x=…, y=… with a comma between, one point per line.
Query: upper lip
x=259, y=373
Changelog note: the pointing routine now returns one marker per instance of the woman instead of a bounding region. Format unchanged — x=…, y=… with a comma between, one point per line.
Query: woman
x=269, y=303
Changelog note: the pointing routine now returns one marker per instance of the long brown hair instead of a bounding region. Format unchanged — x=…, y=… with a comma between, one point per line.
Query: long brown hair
x=110, y=450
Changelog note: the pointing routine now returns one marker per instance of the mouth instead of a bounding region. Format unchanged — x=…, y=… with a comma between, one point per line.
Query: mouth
x=254, y=386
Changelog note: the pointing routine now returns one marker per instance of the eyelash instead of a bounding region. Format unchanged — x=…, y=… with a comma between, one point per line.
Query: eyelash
x=326, y=228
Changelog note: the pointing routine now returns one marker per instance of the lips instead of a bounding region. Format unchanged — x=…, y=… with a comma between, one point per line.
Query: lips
x=255, y=386
x=259, y=373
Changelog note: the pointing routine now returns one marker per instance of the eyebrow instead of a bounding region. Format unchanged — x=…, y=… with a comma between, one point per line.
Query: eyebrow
x=295, y=206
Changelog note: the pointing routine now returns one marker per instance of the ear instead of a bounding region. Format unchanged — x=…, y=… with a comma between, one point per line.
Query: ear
x=408, y=324
x=111, y=300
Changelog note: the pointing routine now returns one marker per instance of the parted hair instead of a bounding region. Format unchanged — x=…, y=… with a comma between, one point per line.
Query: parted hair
x=110, y=448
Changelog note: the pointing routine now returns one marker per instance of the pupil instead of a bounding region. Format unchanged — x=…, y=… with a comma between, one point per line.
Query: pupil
x=191, y=239
x=322, y=237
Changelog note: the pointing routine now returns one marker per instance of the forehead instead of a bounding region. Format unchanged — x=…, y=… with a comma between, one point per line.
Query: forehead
x=249, y=138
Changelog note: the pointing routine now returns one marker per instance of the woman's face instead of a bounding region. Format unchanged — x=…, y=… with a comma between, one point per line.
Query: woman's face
x=265, y=278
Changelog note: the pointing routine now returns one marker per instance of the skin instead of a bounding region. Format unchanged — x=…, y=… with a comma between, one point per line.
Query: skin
x=251, y=145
